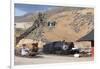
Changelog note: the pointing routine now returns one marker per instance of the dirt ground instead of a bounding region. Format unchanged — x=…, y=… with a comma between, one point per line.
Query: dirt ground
x=44, y=59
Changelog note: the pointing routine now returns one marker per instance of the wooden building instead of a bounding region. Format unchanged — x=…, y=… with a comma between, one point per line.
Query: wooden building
x=88, y=37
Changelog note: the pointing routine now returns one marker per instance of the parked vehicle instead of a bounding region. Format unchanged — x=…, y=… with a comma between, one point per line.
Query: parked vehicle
x=59, y=47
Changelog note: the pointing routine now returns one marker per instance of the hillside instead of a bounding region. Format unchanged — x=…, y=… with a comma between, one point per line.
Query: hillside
x=71, y=23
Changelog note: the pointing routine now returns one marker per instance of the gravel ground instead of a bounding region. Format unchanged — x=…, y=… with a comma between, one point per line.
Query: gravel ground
x=44, y=59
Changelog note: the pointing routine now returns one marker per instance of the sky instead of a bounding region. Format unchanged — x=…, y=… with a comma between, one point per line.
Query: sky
x=21, y=9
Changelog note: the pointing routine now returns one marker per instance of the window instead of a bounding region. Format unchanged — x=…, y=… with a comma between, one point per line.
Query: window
x=51, y=24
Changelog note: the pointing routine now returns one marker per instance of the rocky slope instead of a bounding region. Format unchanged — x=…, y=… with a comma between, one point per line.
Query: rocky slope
x=71, y=23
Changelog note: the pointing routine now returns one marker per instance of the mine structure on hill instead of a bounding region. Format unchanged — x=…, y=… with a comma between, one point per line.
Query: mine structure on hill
x=38, y=22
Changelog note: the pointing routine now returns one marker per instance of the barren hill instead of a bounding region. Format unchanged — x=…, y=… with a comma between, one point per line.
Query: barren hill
x=71, y=24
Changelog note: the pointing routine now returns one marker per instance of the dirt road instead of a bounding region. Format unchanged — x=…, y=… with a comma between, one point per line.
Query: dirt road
x=44, y=59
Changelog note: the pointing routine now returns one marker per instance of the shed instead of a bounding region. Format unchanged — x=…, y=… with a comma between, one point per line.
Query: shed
x=88, y=37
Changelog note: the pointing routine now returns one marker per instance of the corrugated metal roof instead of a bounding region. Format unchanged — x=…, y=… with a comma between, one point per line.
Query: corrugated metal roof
x=89, y=36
